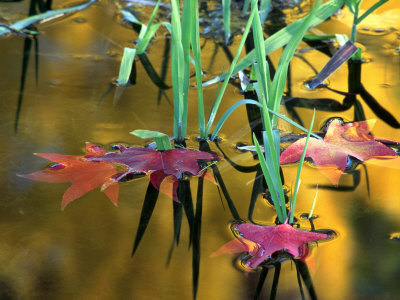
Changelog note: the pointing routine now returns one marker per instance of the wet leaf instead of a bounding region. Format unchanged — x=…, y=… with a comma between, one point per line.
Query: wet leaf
x=262, y=241
x=164, y=168
x=84, y=175
x=339, y=142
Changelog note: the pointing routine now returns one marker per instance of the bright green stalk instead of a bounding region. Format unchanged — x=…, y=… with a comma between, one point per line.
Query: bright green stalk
x=296, y=188
x=126, y=66
x=263, y=79
x=229, y=73
x=245, y=6
x=268, y=178
x=197, y=58
x=370, y=10
x=146, y=34
x=254, y=102
x=187, y=23
x=313, y=203
x=226, y=8
x=177, y=69
x=264, y=10
x=354, y=26
x=354, y=7
x=161, y=139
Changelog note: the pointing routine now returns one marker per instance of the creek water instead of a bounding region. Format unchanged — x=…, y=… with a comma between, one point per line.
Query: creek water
x=84, y=252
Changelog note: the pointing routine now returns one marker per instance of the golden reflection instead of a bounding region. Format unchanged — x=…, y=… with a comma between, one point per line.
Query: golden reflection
x=84, y=252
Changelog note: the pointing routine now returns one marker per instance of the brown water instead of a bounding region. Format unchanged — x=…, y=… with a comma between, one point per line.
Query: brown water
x=84, y=251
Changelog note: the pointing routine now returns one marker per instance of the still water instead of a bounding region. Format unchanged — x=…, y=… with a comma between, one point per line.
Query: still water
x=84, y=252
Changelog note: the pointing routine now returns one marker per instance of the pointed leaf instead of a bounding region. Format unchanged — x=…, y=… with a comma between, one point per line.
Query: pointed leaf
x=339, y=142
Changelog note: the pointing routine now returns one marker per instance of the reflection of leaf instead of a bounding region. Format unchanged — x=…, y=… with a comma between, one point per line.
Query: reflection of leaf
x=84, y=175
x=262, y=241
x=164, y=167
x=339, y=142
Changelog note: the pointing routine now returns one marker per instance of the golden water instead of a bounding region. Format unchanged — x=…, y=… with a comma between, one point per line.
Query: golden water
x=84, y=251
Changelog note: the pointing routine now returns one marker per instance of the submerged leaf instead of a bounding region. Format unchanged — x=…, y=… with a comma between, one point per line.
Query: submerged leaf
x=84, y=175
x=262, y=241
x=339, y=142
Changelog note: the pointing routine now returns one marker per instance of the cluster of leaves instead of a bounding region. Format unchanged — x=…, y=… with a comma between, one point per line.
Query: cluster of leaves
x=105, y=170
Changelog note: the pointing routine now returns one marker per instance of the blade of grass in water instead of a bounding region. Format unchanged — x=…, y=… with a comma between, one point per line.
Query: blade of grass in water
x=256, y=103
x=229, y=73
x=270, y=143
x=161, y=139
x=187, y=22
x=126, y=66
x=177, y=69
x=301, y=161
x=370, y=10
x=282, y=37
x=313, y=204
x=42, y=18
x=269, y=180
x=264, y=10
x=339, y=58
x=197, y=58
x=226, y=8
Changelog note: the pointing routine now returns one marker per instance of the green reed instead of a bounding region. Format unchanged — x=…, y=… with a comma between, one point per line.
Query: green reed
x=270, y=95
x=146, y=33
x=282, y=37
x=354, y=6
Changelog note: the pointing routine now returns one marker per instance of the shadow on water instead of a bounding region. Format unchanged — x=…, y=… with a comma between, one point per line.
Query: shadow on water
x=192, y=212
x=35, y=7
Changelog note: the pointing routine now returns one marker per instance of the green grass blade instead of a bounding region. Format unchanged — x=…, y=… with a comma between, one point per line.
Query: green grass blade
x=268, y=178
x=161, y=139
x=177, y=69
x=303, y=155
x=229, y=73
x=187, y=23
x=370, y=10
x=254, y=102
x=313, y=204
x=226, y=10
x=282, y=37
x=42, y=18
x=271, y=145
x=197, y=59
x=151, y=30
x=245, y=6
x=126, y=66
x=264, y=10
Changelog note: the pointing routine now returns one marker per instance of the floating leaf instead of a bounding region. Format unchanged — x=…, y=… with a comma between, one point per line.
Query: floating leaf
x=84, y=175
x=339, y=142
x=262, y=241
x=164, y=167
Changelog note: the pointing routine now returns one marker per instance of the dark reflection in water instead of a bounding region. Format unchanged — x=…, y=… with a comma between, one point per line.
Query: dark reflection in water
x=7, y=291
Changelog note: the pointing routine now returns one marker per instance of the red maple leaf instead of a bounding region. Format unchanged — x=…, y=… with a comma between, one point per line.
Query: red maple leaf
x=163, y=167
x=262, y=241
x=339, y=142
x=84, y=175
